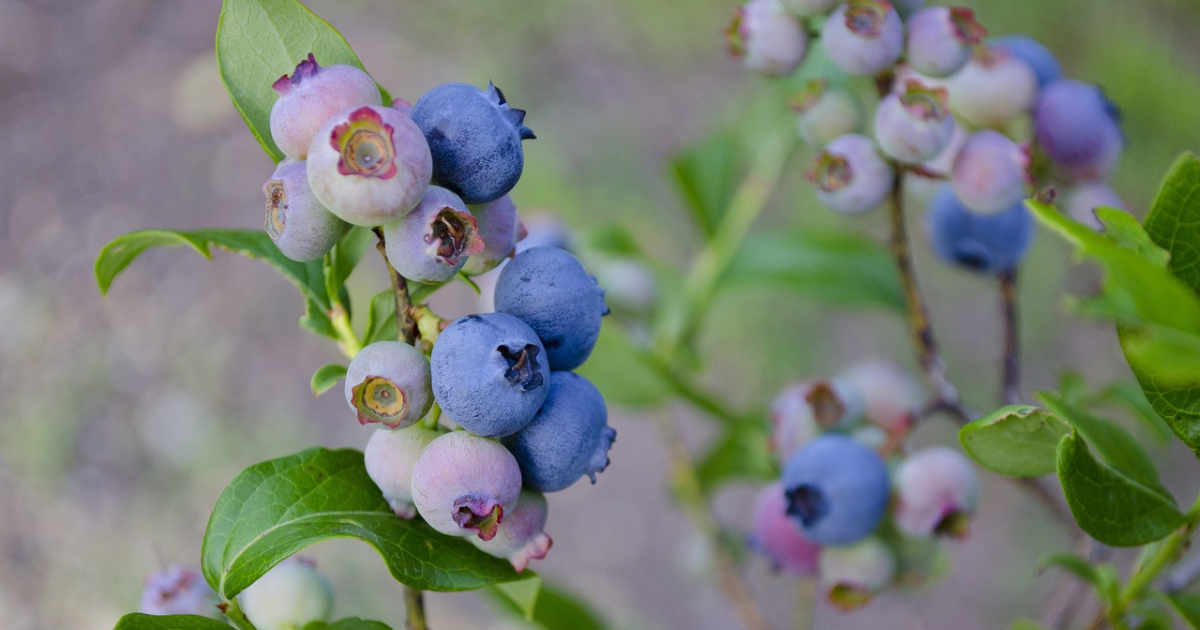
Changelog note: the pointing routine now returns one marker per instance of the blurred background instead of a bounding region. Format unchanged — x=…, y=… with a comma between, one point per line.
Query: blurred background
x=122, y=419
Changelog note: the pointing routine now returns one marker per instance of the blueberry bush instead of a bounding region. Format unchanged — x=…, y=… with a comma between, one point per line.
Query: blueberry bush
x=910, y=114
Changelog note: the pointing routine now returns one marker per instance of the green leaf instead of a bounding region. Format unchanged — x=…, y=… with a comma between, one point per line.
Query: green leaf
x=1116, y=510
x=326, y=377
x=1078, y=566
x=278, y=507
x=1134, y=399
x=622, y=371
x=1026, y=624
x=1113, y=443
x=1188, y=607
x=835, y=266
x=139, y=621
x=1172, y=355
x=349, y=623
x=316, y=320
x=348, y=252
x=744, y=452
x=381, y=319
x=1174, y=219
x=556, y=610
x=521, y=594
x=1017, y=441
x=1123, y=229
x=707, y=175
x=259, y=41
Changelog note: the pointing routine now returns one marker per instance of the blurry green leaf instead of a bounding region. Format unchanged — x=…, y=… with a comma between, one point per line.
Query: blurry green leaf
x=350, y=623
x=707, y=175
x=316, y=320
x=622, y=371
x=743, y=453
x=556, y=609
x=1113, y=443
x=349, y=251
x=1017, y=440
x=1078, y=566
x=1174, y=220
x=139, y=621
x=1072, y=387
x=612, y=238
x=1115, y=509
x=840, y=267
x=381, y=319
x=1134, y=399
x=521, y=595
x=259, y=41
x=326, y=377
x=1173, y=355
x=278, y=507
x=1026, y=624
x=1188, y=607
x=1123, y=229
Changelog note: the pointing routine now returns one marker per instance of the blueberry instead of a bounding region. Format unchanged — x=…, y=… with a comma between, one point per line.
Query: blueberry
x=1079, y=128
x=985, y=243
x=937, y=493
x=826, y=112
x=1083, y=198
x=521, y=537
x=837, y=489
x=291, y=595
x=851, y=576
x=390, y=457
x=850, y=175
x=993, y=88
x=891, y=396
x=312, y=95
x=369, y=165
x=1039, y=58
x=549, y=289
x=863, y=37
x=939, y=39
x=431, y=243
x=801, y=411
x=914, y=124
x=178, y=590
x=989, y=172
x=464, y=485
x=388, y=382
x=567, y=439
x=501, y=229
x=301, y=227
x=475, y=138
x=489, y=373
x=768, y=38
x=778, y=537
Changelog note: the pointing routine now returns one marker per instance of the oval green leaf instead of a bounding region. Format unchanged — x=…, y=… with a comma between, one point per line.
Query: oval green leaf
x=326, y=377
x=1187, y=605
x=278, y=507
x=1116, y=446
x=1113, y=508
x=139, y=621
x=349, y=623
x=1017, y=441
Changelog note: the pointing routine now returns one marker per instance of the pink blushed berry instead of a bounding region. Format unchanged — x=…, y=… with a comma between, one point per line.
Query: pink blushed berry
x=937, y=493
x=850, y=175
x=863, y=37
x=312, y=95
x=777, y=536
x=463, y=485
x=521, y=537
x=993, y=88
x=940, y=39
x=914, y=125
x=767, y=37
x=990, y=172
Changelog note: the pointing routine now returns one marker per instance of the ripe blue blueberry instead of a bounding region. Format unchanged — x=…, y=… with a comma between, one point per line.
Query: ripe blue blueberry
x=549, y=289
x=993, y=88
x=522, y=536
x=863, y=37
x=939, y=39
x=500, y=228
x=301, y=227
x=989, y=172
x=985, y=243
x=1043, y=62
x=432, y=243
x=1079, y=128
x=388, y=382
x=567, y=439
x=826, y=112
x=489, y=373
x=914, y=125
x=850, y=175
x=475, y=139
x=837, y=489
x=768, y=38
x=778, y=537
x=464, y=485
x=312, y=95
x=390, y=457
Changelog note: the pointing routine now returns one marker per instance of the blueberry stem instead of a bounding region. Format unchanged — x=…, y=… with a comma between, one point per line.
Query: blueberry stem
x=1010, y=388
x=414, y=609
x=406, y=327
x=234, y=613
x=1145, y=572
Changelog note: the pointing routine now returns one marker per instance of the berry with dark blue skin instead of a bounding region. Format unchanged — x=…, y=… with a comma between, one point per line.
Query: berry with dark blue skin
x=432, y=243
x=1039, y=58
x=475, y=139
x=549, y=289
x=567, y=439
x=837, y=489
x=489, y=373
x=985, y=243
x=1079, y=128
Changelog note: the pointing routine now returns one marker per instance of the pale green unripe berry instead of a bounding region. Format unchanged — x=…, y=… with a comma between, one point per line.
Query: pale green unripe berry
x=288, y=597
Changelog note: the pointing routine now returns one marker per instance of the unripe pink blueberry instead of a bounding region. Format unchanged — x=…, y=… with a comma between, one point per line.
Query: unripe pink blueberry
x=940, y=39
x=993, y=88
x=851, y=576
x=778, y=537
x=850, y=175
x=301, y=227
x=1083, y=198
x=863, y=37
x=432, y=243
x=389, y=457
x=805, y=8
x=768, y=38
x=891, y=395
x=937, y=493
x=826, y=112
x=803, y=410
x=178, y=590
x=388, y=382
x=990, y=172
x=369, y=165
x=463, y=485
x=915, y=124
x=311, y=96
x=500, y=228
x=521, y=537
x=1077, y=126
x=288, y=597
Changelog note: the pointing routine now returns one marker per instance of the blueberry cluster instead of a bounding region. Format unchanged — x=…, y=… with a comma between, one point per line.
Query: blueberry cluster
x=991, y=118
x=852, y=507
x=433, y=176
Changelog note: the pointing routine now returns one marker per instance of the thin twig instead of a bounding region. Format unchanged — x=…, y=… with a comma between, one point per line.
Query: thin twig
x=1010, y=389
x=414, y=609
